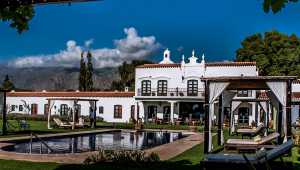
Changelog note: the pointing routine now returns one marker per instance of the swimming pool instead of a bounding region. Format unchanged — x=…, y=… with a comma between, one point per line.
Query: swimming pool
x=120, y=140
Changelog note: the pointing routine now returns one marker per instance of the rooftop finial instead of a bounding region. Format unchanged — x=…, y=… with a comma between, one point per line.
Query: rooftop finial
x=203, y=58
x=167, y=57
x=182, y=61
x=193, y=53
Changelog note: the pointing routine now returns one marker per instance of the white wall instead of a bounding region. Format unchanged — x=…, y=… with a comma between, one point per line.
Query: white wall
x=175, y=74
x=107, y=102
x=215, y=71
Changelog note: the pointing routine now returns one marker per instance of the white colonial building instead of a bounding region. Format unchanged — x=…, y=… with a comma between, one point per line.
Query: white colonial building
x=165, y=92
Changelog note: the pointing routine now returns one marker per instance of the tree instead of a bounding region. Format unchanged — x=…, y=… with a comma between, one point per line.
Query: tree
x=127, y=75
x=82, y=74
x=20, y=12
x=89, y=72
x=275, y=5
x=18, y=15
x=275, y=53
x=7, y=84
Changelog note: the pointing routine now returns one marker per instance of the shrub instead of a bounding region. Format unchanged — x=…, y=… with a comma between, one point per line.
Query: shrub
x=122, y=157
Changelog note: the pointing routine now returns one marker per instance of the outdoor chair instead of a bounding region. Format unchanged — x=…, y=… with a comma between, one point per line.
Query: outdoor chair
x=251, y=132
x=23, y=125
x=260, y=160
x=251, y=144
x=61, y=124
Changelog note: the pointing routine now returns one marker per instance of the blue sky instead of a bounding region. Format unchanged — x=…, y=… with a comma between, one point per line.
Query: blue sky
x=215, y=28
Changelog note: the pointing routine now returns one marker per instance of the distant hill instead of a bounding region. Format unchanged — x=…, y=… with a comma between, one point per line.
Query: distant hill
x=56, y=78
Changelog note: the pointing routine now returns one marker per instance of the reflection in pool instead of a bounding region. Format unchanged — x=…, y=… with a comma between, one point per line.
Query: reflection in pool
x=92, y=142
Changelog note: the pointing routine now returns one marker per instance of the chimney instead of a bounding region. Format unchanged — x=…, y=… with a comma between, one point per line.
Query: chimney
x=126, y=89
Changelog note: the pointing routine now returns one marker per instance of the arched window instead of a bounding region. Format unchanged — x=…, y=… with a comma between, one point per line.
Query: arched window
x=146, y=88
x=192, y=87
x=162, y=87
x=63, y=110
x=118, y=111
x=34, y=109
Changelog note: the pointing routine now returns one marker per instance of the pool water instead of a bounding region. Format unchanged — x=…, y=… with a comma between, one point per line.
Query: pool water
x=91, y=142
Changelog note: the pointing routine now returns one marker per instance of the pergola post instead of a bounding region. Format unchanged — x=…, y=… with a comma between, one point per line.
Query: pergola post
x=49, y=114
x=279, y=122
x=4, y=117
x=206, y=113
x=220, y=118
x=267, y=116
x=288, y=109
x=95, y=114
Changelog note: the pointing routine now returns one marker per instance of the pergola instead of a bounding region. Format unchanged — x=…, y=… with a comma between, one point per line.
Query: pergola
x=92, y=102
x=4, y=116
x=219, y=88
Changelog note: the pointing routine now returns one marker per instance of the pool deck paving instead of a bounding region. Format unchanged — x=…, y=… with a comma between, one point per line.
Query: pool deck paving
x=165, y=151
x=170, y=150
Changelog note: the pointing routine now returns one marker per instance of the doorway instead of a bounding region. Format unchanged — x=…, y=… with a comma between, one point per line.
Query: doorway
x=166, y=113
x=243, y=118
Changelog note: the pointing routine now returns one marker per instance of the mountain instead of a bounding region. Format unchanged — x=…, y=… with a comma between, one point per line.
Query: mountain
x=56, y=78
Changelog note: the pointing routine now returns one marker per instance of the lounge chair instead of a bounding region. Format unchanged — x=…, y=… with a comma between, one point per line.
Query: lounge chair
x=250, y=144
x=59, y=123
x=251, y=132
x=80, y=123
x=240, y=161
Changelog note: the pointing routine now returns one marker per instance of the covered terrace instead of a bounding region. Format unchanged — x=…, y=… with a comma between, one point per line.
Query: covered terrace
x=223, y=89
x=73, y=103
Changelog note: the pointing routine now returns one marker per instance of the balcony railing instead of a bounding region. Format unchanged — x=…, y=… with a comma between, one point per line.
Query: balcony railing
x=171, y=92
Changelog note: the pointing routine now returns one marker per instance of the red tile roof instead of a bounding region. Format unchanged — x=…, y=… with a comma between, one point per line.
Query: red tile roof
x=71, y=94
x=215, y=64
x=230, y=64
x=296, y=95
x=158, y=65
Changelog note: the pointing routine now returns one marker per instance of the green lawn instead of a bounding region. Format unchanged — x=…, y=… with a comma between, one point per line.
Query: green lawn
x=40, y=127
x=189, y=160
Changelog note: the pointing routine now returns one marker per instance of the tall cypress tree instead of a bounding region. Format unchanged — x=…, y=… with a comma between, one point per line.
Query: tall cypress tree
x=8, y=84
x=89, y=72
x=82, y=74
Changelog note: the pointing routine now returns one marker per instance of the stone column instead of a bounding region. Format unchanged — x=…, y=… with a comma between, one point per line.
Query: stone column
x=136, y=115
x=172, y=111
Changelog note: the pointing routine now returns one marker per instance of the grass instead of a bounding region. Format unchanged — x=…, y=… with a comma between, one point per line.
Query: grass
x=188, y=160
x=40, y=127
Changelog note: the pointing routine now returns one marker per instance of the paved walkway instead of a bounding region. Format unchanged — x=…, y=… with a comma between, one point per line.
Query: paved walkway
x=175, y=148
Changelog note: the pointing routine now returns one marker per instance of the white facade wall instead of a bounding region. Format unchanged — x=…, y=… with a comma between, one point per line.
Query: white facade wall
x=178, y=76
x=215, y=71
x=107, y=103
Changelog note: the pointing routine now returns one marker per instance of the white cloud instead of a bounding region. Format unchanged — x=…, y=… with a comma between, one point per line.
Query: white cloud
x=130, y=47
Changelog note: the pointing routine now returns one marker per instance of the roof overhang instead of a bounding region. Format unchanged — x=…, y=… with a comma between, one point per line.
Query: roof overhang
x=249, y=82
x=71, y=99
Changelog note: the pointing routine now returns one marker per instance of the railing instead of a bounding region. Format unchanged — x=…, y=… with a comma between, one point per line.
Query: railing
x=172, y=92
x=42, y=143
